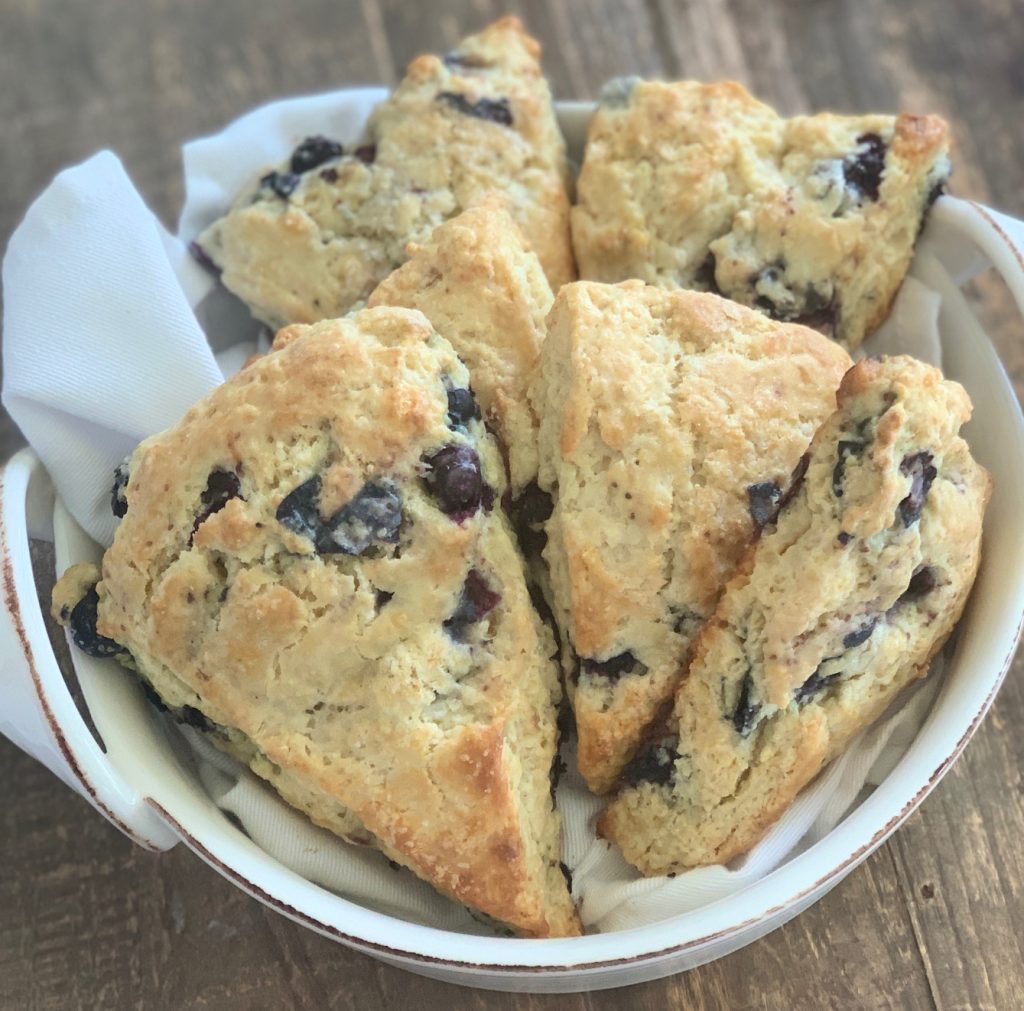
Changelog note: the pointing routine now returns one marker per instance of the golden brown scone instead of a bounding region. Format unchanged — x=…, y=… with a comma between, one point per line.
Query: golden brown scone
x=312, y=567
x=842, y=602
x=312, y=238
x=487, y=294
x=670, y=421
x=811, y=219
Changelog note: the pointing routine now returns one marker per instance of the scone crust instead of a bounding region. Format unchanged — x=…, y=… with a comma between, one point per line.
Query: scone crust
x=487, y=294
x=832, y=613
x=428, y=155
x=369, y=688
x=811, y=219
x=660, y=409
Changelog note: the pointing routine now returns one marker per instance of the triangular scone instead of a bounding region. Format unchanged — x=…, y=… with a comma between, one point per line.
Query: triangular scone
x=487, y=294
x=669, y=422
x=811, y=219
x=314, y=559
x=315, y=236
x=841, y=604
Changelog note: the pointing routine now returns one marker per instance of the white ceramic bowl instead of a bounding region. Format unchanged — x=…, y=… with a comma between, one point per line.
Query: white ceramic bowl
x=136, y=780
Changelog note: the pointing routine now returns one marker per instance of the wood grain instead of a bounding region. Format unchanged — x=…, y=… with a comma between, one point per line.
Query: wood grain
x=933, y=920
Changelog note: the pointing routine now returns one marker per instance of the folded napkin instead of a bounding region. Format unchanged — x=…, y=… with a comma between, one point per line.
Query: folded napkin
x=106, y=320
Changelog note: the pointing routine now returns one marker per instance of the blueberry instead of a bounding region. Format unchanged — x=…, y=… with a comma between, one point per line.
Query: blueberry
x=492, y=110
x=823, y=320
x=462, y=408
x=844, y=538
x=921, y=473
x=815, y=684
x=656, y=764
x=859, y=635
x=373, y=516
x=203, y=258
x=464, y=61
x=329, y=175
x=763, y=501
x=528, y=514
x=684, y=621
x=366, y=153
x=221, y=487
x=863, y=169
x=381, y=599
x=558, y=769
x=921, y=584
x=935, y=192
x=453, y=478
x=476, y=601
x=313, y=152
x=192, y=717
x=615, y=666
x=845, y=449
x=118, y=497
x=566, y=873
x=744, y=715
x=82, y=622
x=704, y=276
x=151, y=696
x=282, y=183
x=299, y=510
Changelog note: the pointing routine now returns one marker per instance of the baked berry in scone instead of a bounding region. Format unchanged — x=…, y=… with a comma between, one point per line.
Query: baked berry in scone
x=317, y=234
x=842, y=602
x=487, y=295
x=811, y=219
x=312, y=567
x=671, y=421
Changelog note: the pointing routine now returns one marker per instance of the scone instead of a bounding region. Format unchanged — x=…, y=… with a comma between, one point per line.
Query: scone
x=811, y=219
x=312, y=567
x=316, y=235
x=487, y=294
x=670, y=422
x=843, y=602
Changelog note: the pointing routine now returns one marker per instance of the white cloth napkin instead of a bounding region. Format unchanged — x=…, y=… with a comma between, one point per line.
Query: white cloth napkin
x=104, y=318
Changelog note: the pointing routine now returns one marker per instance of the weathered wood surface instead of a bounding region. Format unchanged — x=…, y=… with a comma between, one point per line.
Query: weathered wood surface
x=934, y=919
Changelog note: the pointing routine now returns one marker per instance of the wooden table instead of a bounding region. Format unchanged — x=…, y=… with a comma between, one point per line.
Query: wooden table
x=933, y=919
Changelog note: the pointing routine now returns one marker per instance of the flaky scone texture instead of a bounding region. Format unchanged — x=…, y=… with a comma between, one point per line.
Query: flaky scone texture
x=314, y=237
x=841, y=604
x=487, y=294
x=811, y=219
x=314, y=561
x=670, y=422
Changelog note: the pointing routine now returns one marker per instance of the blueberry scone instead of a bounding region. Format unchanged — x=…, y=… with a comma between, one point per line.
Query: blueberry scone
x=311, y=567
x=811, y=219
x=316, y=235
x=487, y=294
x=670, y=422
x=842, y=602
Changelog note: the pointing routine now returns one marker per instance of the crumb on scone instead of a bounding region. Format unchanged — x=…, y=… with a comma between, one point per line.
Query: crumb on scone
x=671, y=420
x=312, y=568
x=314, y=236
x=810, y=219
x=843, y=602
